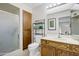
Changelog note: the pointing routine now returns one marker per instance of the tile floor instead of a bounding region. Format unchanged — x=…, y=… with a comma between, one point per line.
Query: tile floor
x=26, y=52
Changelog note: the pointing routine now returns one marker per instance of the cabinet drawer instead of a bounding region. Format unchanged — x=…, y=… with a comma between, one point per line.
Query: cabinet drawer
x=58, y=45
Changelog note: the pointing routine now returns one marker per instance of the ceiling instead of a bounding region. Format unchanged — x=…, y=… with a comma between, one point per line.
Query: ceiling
x=49, y=5
x=33, y=5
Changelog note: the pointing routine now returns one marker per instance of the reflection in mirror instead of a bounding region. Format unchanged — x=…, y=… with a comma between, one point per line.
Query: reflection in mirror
x=75, y=22
x=64, y=25
x=69, y=25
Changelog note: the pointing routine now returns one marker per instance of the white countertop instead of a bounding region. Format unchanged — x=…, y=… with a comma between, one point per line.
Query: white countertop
x=64, y=40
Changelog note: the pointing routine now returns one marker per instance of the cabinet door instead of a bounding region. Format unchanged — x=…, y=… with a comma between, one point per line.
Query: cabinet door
x=51, y=51
x=44, y=50
x=60, y=52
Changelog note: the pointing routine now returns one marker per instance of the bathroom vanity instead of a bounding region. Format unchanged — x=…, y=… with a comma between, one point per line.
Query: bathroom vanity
x=59, y=47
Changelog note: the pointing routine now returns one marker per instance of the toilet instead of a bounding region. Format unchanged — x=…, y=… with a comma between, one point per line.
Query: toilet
x=34, y=48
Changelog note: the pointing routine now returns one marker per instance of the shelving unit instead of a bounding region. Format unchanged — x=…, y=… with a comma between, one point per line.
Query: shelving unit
x=39, y=28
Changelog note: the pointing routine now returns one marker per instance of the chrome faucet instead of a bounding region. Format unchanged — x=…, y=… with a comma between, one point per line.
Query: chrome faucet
x=59, y=35
x=66, y=33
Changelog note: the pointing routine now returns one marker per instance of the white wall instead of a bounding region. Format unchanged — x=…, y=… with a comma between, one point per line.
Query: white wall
x=38, y=13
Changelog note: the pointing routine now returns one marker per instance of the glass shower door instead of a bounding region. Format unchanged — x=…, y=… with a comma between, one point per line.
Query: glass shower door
x=9, y=24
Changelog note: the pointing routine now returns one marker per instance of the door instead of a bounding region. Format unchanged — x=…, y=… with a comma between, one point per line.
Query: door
x=44, y=50
x=27, y=17
x=52, y=50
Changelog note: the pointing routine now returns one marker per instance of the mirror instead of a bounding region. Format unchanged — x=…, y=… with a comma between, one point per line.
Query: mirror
x=69, y=25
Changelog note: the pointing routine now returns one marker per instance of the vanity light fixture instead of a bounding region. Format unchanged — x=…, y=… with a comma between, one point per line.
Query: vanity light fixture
x=52, y=5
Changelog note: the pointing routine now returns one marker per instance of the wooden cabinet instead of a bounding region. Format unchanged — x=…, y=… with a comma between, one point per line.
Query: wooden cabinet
x=52, y=48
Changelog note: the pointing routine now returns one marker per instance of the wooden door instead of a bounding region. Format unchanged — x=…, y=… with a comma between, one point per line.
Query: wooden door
x=27, y=17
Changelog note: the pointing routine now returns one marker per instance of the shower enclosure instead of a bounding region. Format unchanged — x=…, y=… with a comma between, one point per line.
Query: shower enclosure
x=9, y=28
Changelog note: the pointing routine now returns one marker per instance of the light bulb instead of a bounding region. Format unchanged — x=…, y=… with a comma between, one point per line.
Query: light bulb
x=54, y=4
x=50, y=5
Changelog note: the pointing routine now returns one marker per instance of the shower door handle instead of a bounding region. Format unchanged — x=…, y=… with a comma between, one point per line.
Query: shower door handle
x=18, y=36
